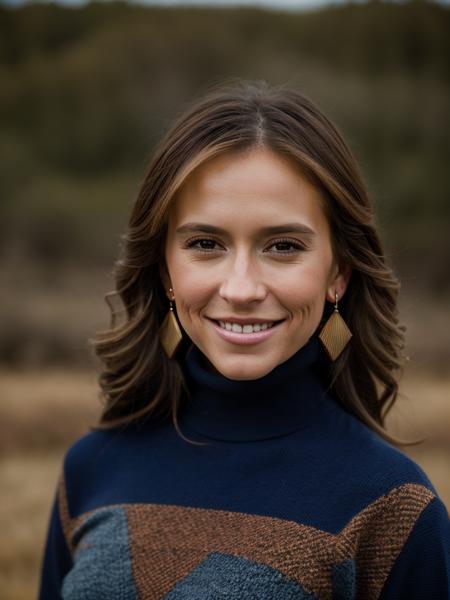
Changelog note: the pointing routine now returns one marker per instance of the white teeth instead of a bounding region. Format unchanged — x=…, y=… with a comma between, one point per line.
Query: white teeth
x=237, y=328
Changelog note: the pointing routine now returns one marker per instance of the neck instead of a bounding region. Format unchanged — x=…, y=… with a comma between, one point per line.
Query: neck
x=285, y=400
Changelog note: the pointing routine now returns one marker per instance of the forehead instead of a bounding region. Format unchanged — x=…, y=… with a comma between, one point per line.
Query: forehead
x=255, y=185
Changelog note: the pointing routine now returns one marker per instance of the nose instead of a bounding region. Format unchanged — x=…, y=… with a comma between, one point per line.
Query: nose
x=242, y=281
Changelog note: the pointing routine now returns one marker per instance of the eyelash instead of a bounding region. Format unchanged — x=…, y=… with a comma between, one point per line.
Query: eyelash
x=296, y=244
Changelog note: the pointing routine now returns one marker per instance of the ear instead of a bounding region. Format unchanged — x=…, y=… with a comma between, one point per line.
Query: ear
x=339, y=282
x=165, y=277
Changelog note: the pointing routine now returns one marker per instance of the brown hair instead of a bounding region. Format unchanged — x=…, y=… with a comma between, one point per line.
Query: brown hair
x=137, y=377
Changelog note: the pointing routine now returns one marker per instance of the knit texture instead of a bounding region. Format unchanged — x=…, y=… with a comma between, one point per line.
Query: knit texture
x=291, y=498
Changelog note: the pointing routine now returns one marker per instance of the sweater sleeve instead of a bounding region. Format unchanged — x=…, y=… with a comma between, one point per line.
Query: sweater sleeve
x=422, y=569
x=57, y=559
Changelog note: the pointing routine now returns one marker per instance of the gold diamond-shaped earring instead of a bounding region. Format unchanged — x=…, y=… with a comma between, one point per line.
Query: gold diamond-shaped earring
x=335, y=334
x=170, y=332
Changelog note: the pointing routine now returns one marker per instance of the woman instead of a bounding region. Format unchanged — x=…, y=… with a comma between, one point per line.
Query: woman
x=241, y=452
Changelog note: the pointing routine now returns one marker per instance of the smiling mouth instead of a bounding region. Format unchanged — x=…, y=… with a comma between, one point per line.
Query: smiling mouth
x=248, y=327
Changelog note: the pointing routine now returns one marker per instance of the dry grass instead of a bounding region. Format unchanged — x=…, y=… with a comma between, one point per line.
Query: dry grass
x=41, y=413
x=423, y=411
x=45, y=410
x=28, y=483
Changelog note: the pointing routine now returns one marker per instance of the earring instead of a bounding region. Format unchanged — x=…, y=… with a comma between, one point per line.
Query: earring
x=170, y=332
x=335, y=334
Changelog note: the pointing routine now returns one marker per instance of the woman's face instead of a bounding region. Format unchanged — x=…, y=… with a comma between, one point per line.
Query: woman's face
x=248, y=244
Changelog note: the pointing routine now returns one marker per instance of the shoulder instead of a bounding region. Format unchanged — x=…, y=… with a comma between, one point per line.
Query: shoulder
x=89, y=467
x=370, y=470
x=103, y=466
x=102, y=449
x=389, y=512
x=390, y=465
x=86, y=450
x=385, y=465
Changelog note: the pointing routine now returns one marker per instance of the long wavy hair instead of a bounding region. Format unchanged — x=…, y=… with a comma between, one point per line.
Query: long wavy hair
x=137, y=379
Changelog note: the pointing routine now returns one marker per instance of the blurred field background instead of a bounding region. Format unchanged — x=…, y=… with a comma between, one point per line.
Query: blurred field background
x=85, y=93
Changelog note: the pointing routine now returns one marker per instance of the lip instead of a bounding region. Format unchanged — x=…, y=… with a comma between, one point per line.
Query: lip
x=246, y=339
x=244, y=321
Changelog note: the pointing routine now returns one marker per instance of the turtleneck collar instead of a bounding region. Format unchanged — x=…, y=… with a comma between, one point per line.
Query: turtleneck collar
x=281, y=402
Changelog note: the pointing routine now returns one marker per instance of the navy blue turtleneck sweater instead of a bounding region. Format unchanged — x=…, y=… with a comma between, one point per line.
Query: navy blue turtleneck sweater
x=288, y=496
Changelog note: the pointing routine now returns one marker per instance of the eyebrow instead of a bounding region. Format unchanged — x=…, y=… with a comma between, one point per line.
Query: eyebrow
x=273, y=229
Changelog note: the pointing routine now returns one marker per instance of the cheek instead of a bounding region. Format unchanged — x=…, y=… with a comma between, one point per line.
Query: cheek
x=193, y=295
x=191, y=305
x=305, y=288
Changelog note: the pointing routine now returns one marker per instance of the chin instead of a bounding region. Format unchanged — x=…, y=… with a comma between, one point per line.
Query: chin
x=242, y=372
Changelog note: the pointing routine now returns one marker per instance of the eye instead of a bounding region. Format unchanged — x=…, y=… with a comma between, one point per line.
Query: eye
x=287, y=246
x=202, y=244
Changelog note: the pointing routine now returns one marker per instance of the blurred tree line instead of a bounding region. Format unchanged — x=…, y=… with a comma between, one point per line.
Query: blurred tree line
x=85, y=93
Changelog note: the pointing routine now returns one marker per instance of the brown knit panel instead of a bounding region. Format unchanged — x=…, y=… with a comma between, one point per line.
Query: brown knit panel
x=167, y=542
x=66, y=521
x=376, y=535
x=70, y=525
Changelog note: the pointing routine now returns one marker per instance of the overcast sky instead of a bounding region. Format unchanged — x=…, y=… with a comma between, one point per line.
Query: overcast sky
x=281, y=4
